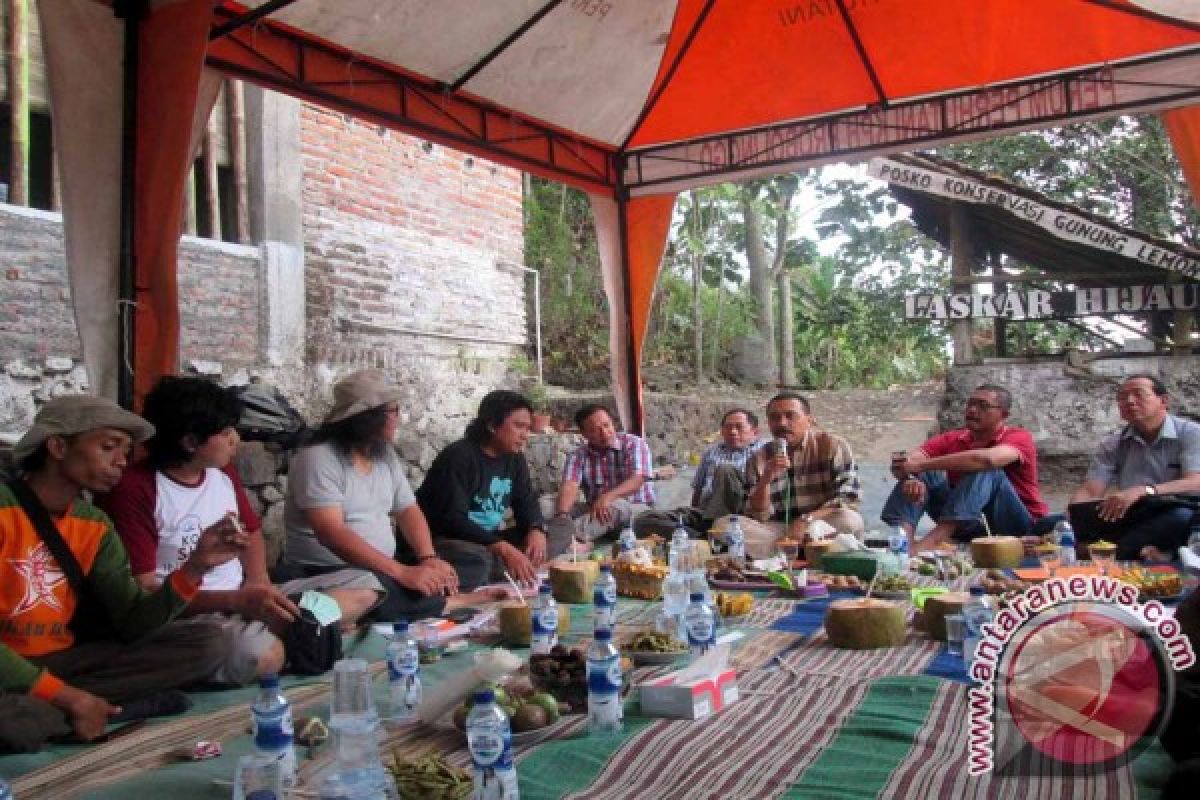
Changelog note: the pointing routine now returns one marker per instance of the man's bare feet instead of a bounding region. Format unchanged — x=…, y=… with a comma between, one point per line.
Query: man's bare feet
x=495, y=594
x=937, y=537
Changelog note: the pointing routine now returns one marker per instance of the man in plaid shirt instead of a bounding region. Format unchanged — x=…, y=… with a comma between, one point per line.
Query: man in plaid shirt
x=613, y=469
x=817, y=478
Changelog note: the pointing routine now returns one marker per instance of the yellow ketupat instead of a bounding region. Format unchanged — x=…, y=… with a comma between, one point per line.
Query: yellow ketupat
x=734, y=605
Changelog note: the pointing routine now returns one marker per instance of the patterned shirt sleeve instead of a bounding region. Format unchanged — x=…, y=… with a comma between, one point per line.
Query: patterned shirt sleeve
x=845, y=473
x=707, y=463
x=573, y=468
x=642, y=461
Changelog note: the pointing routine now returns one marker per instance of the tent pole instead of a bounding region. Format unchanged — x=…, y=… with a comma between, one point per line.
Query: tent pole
x=636, y=419
x=131, y=11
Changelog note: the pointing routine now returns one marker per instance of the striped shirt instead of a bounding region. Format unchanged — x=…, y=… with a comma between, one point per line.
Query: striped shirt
x=720, y=455
x=598, y=471
x=823, y=472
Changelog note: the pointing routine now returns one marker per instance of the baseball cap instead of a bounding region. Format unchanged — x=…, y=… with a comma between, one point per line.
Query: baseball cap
x=70, y=414
x=361, y=391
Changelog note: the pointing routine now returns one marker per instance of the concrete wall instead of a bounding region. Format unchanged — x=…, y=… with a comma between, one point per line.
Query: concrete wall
x=219, y=286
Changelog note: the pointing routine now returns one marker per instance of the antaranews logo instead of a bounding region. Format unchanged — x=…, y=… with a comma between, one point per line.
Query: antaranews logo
x=1075, y=674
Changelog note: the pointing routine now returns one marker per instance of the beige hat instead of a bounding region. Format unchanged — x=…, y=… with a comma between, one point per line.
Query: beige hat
x=78, y=413
x=361, y=391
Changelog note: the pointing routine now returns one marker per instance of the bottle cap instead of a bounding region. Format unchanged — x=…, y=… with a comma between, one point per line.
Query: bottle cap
x=697, y=597
x=976, y=591
x=603, y=635
x=269, y=681
x=400, y=626
x=484, y=696
x=606, y=567
x=544, y=589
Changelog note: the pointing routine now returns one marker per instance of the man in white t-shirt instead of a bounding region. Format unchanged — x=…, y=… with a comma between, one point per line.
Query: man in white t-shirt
x=185, y=485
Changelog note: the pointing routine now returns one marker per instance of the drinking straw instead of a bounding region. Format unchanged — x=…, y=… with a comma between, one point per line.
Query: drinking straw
x=513, y=584
x=986, y=527
x=871, y=585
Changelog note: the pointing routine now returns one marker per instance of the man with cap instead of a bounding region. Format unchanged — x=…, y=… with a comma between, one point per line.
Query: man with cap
x=345, y=493
x=67, y=660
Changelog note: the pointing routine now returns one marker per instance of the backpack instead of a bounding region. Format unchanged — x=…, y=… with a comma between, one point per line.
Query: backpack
x=269, y=417
x=309, y=647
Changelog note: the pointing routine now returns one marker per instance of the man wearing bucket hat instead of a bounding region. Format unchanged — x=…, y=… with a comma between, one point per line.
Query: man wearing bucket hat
x=347, y=490
x=77, y=633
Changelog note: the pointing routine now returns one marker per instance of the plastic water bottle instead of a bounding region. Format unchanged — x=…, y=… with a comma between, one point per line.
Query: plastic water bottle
x=545, y=621
x=604, y=680
x=271, y=714
x=680, y=544
x=898, y=544
x=604, y=598
x=489, y=739
x=358, y=772
x=1064, y=535
x=627, y=540
x=700, y=621
x=675, y=587
x=697, y=574
x=5, y=790
x=977, y=612
x=404, y=674
x=735, y=539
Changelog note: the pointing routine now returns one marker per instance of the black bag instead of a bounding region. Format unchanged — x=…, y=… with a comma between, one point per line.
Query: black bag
x=269, y=417
x=309, y=647
x=90, y=622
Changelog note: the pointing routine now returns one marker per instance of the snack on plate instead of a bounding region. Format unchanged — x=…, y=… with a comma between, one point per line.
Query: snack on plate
x=730, y=604
x=649, y=642
x=1153, y=584
x=430, y=778
x=841, y=581
x=994, y=581
x=726, y=569
x=643, y=581
x=893, y=583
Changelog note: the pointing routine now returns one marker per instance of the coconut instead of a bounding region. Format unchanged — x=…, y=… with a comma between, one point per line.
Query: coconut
x=813, y=551
x=997, y=552
x=865, y=624
x=940, y=606
x=516, y=624
x=572, y=580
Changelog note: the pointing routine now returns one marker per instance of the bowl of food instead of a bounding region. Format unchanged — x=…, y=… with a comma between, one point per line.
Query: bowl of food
x=652, y=648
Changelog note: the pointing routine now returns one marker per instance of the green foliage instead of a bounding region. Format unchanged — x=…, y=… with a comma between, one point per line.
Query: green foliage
x=560, y=241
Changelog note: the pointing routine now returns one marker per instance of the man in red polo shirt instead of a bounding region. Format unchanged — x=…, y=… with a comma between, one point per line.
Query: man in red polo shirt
x=987, y=467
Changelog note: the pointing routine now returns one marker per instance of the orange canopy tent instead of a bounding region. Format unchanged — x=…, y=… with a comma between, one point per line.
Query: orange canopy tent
x=629, y=100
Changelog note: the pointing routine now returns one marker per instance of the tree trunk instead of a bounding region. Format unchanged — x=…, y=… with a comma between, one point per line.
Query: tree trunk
x=787, y=345
x=760, y=271
x=697, y=284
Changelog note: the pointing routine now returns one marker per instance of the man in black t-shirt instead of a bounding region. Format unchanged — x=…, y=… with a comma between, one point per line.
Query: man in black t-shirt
x=479, y=498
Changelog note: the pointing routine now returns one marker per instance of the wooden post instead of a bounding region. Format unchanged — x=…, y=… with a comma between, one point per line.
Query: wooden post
x=18, y=101
x=212, y=194
x=960, y=267
x=189, y=202
x=1000, y=324
x=234, y=90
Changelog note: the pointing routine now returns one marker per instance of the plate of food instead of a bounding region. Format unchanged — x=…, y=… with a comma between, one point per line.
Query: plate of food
x=724, y=573
x=531, y=715
x=654, y=649
x=1153, y=584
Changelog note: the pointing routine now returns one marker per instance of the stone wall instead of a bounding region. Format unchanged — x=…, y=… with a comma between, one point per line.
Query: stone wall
x=1069, y=408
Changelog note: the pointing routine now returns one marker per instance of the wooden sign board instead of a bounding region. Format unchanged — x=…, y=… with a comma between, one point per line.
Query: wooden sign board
x=1040, y=304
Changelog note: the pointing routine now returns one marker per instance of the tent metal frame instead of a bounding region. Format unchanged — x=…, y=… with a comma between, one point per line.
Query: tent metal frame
x=277, y=57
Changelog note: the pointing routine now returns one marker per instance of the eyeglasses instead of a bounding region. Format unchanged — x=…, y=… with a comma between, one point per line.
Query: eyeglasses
x=982, y=405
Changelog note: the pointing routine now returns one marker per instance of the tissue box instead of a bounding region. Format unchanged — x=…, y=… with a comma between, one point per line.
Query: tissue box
x=693, y=699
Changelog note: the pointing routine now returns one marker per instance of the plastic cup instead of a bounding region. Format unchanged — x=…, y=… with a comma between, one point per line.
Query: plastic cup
x=955, y=633
x=258, y=777
x=352, y=696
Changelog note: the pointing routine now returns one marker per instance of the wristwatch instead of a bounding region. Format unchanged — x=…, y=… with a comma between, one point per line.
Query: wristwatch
x=1150, y=490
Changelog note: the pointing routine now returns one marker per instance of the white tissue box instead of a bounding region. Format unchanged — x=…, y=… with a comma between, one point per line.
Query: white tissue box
x=692, y=699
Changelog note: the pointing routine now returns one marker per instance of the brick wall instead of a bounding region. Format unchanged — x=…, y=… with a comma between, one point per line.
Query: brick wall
x=402, y=244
